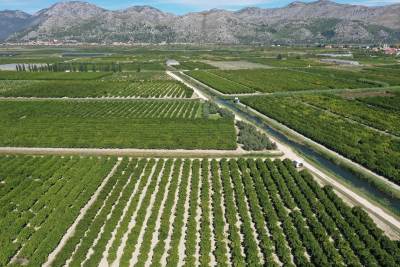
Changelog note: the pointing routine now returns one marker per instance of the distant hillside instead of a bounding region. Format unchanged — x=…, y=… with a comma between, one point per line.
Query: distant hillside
x=321, y=21
x=12, y=21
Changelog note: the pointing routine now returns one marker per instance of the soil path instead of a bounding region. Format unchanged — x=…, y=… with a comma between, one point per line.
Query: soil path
x=386, y=221
x=198, y=92
x=83, y=211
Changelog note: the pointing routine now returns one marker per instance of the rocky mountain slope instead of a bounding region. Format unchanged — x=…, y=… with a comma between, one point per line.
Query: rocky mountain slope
x=321, y=21
x=12, y=21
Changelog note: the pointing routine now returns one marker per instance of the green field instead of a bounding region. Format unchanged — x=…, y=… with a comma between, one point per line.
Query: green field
x=223, y=85
x=193, y=65
x=40, y=198
x=380, y=118
x=113, y=124
x=74, y=88
x=286, y=62
x=376, y=151
x=240, y=212
x=138, y=76
x=372, y=76
x=278, y=80
x=14, y=75
x=390, y=103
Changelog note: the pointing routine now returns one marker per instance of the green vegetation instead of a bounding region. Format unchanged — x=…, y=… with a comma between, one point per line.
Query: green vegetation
x=194, y=65
x=270, y=212
x=389, y=103
x=156, y=89
x=16, y=75
x=373, y=76
x=178, y=211
x=252, y=139
x=368, y=147
x=375, y=117
x=286, y=62
x=113, y=124
x=223, y=85
x=277, y=80
x=138, y=76
x=41, y=197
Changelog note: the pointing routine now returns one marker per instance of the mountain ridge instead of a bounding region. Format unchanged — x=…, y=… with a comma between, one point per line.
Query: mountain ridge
x=298, y=22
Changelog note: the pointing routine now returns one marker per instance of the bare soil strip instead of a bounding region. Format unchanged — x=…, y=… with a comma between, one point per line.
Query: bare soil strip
x=83, y=211
x=182, y=246
x=213, y=261
x=91, y=250
x=168, y=240
x=149, y=211
x=103, y=261
x=121, y=248
x=155, y=235
x=226, y=225
x=198, y=220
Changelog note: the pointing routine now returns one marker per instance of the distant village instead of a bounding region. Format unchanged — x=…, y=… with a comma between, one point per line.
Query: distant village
x=387, y=49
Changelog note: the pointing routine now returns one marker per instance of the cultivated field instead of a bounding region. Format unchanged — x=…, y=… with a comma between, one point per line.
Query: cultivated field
x=14, y=75
x=192, y=65
x=40, y=199
x=82, y=89
x=155, y=212
x=169, y=124
x=368, y=135
x=235, y=65
x=138, y=76
x=278, y=80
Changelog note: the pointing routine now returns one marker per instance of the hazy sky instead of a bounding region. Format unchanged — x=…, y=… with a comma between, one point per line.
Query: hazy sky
x=175, y=6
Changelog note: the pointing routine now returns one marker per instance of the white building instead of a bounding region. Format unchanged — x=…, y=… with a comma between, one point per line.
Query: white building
x=172, y=62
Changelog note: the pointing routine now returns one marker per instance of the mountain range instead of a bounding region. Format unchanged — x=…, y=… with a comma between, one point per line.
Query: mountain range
x=298, y=23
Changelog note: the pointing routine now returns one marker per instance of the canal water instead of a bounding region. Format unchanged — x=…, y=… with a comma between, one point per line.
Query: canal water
x=389, y=201
x=13, y=67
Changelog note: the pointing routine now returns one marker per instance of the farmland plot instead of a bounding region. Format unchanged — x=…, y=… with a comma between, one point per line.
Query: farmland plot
x=139, y=76
x=14, y=75
x=277, y=80
x=390, y=102
x=147, y=214
x=82, y=89
x=377, y=117
x=40, y=198
x=352, y=138
x=169, y=124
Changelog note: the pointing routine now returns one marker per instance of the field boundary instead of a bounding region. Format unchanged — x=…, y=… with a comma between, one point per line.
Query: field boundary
x=143, y=153
x=304, y=91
